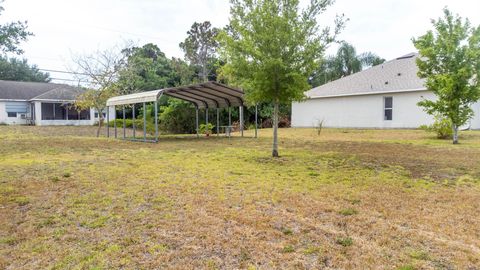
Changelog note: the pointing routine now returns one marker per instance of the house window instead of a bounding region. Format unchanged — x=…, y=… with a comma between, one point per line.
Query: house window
x=12, y=114
x=103, y=114
x=73, y=113
x=60, y=112
x=387, y=108
x=48, y=111
x=85, y=115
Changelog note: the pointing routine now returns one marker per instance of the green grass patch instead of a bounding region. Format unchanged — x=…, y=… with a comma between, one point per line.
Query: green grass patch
x=344, y=241
x=348, y=212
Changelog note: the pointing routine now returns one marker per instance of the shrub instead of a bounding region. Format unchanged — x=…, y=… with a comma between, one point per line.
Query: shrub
x=319, y=127
x=206, y=128
x=177, y=117
x=441, y=126
x=288, y=249
x=129, y=124
x=344, y=241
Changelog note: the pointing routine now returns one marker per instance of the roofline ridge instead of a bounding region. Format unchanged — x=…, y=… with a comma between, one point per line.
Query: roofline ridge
x=358, y=73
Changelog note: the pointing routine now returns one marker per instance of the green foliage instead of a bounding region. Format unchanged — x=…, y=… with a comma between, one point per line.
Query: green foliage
x=13, y=69
x=288, y=249
x=129, y=124
x=177, y=117
x=146, y=68
x=348, y=212
x=206, y=128
x=200, y=48
x=271, y=48
x=441, y=126
x=12, y=34
x=344, y=63
x=95, y=99
x=418, y=254
x=102, y=69
x=21, y=200
x=450, y=63
x=287, y=231
x=344, y=241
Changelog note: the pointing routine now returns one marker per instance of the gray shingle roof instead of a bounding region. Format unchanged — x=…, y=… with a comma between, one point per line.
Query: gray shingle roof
x=37, y=90
x=398, y=75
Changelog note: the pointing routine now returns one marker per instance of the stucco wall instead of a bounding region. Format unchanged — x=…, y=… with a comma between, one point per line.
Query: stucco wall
x=475, y=122
x=4, y=119
x=362, y=111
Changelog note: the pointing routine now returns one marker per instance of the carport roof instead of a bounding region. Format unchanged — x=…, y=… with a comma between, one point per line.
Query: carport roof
x=202, y=95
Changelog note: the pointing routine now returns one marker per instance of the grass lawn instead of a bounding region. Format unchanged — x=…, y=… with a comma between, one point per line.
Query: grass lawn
x=347, y=199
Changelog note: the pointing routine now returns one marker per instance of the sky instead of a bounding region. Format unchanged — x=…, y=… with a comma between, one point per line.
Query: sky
x=63, y=28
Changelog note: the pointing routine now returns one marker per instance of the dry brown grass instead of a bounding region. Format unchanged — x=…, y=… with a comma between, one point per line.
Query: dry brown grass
x=347, y=199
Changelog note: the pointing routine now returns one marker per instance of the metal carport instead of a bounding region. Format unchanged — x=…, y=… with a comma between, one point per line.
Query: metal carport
x=209, y=95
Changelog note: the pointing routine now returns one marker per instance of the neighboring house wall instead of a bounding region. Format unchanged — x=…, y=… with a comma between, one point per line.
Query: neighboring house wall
x=17, y=108
x=364, y=111
x=475, y=122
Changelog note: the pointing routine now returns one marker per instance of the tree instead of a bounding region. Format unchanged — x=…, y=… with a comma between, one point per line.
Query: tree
x=14, y=69
x=271, y=47
x=200, y=48
x=450, y=62
x=12, y=34
x=146, y=68
x=97, y=99
x=101, y=69
x=344, y=63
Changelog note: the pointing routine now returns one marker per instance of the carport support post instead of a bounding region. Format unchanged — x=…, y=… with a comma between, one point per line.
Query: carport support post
x=206, y=116
x=144, y=122
x=133, y=119
x=196, y=121
x=218, y=122
x=108, y=121
x=240, y=110
x=229, y=117
x=115, y=120
x=256, y=121
x=123, y=109
x=156, y=121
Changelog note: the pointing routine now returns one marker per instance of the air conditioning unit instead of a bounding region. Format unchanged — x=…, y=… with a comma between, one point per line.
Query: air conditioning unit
x=23, y=116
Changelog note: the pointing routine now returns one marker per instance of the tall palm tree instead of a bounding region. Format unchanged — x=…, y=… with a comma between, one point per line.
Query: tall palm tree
x=344, y=63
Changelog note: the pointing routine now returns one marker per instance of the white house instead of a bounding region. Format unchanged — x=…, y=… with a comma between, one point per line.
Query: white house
x=384, y=96
x=42, y=104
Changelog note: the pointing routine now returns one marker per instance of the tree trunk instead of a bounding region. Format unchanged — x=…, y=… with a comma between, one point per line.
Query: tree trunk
x=455, y=134
x=100, y=122
x=275, y=130
x=204, y=72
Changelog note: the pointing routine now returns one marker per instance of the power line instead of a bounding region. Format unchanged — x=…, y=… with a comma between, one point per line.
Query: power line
x=68, y=80
x=62, y=71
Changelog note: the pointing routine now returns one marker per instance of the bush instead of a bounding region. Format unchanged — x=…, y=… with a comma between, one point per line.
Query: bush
x=283, y=122
x=129, y=124
x=178, y=117
x=206, y=128
x=441, y=126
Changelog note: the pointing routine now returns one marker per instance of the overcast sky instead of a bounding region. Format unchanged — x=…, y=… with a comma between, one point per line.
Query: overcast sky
x=63, y=27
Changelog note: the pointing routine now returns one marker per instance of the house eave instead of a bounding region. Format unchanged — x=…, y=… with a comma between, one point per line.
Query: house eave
x=17, y=100
x=371, y=93
x=52, y=100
